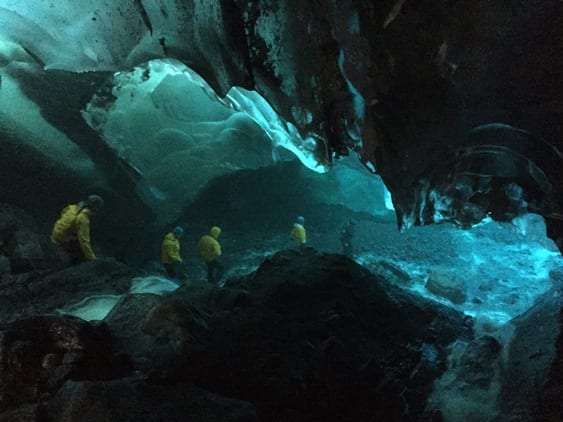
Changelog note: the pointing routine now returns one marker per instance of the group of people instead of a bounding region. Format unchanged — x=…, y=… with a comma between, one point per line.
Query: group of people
x=72, y=232
x=209, y=250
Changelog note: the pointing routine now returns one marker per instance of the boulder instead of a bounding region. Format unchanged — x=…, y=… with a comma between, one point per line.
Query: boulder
x=532, y=376
x=291, y=346
x=25, y=250
x=393, y=273
x=446, y=284
x=135, y=399
x=20, y=241
x=533, y=228
x=12, y=217
x=39, y=354
x=307, y=336
x=27, y=294
x=469, y=388
x=550, y=406
x=158, y=332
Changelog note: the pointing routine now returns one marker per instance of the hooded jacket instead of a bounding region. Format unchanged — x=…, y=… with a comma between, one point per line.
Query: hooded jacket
x=170, y=251
x=208, y=246
x=298, y=234
x=74, y=225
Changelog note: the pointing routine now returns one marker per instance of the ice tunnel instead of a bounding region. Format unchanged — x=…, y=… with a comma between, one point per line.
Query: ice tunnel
x=420, y=142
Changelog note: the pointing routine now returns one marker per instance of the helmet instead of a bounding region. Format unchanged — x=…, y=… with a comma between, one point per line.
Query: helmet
x=94, y=202
x=215, y=232
x=300, y=219
x=178, y=231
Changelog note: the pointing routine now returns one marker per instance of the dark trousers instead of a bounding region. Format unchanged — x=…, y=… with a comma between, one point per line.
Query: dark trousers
x=214, y=271
x=74, y=250
x=175, y=270
x=347, y=248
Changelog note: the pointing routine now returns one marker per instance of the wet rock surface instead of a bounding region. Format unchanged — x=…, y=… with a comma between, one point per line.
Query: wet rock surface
x=20, y=243
x=39, y=354
x=47, y=291
x=134, y=399
x=308, y=336
x=340, y=343
x=532, y=373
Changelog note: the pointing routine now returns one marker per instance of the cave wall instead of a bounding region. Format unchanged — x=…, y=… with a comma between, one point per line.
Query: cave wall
x=401, y=83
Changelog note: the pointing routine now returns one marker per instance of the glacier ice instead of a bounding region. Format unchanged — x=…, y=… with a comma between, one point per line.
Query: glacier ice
x=97, y=307
x=152, y=284
x=501, y=272
x=92, y=308
x=81, y=35
x=282, y=133
x=22, y=119
x=167, y=122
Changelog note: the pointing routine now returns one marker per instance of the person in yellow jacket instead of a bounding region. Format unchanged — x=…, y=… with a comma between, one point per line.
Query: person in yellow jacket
x=209, y=250
x=170, y=254
x=72, y=230
x=298, y=233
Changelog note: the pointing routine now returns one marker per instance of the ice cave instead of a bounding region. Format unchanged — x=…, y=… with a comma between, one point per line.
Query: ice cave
x=281, y=210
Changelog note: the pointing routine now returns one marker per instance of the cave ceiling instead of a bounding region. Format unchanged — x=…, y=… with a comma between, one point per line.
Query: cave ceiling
x=444, y=99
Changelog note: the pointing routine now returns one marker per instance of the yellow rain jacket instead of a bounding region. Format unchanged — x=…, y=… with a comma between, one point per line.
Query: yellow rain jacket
x=74, y=224
x=208, y=246
x=298, y=234
x=170, y=251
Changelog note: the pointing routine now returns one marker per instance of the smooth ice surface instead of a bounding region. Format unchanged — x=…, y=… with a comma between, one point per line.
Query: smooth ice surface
x=349, y=184
x=152, y=284
x=99, y=306
x=280, y=132
x=168, y=94
x=21, y=117
x=171, y=126
x=76, y=35
x=92, y=308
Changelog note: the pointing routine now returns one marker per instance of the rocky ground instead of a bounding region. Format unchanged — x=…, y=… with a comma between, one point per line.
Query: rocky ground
x=306, y=335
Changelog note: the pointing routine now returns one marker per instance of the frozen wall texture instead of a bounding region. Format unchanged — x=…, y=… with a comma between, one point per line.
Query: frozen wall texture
x=401, y=83
x=196, y=112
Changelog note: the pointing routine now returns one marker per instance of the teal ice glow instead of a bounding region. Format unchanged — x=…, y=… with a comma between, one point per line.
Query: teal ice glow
x=501, y=271
x=99, y=306
x=92, y=308
x=152, y=284
x=357, y=98
x=354, y=23
x=388, y=199
x=282, y=133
